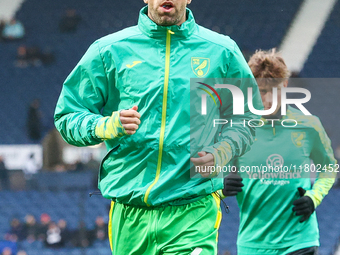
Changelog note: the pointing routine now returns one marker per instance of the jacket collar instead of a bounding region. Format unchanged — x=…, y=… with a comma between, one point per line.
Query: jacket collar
x=277, y=116
x=151, y=29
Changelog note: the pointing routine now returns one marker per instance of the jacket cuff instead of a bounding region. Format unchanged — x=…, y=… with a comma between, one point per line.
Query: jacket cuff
x=109, y=127
x=222, y=153
x=93, y=127
x=320, y=190
x=309, y=193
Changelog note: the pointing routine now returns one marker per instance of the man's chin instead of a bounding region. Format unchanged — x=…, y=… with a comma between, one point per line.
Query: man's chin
x=166, y=22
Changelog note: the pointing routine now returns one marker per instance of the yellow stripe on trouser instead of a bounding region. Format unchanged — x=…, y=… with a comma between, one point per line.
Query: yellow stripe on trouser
x=165, y=96
x=219, y=214
x=110, y=224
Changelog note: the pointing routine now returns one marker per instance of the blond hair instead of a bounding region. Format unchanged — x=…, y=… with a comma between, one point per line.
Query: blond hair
x=269, y=65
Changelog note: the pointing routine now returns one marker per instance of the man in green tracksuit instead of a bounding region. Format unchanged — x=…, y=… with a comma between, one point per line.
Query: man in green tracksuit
x=131, y=89
x=277, y=202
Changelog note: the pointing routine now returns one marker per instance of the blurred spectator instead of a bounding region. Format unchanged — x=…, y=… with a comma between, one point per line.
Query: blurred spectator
x=2, y=25
x=53, y=151
x=33, y=56
x=22, y=56
x=16, y=232
x=78, y=166
x=101, y=229
x=45, y=220
x=31, y=168
x=7, y=251
x=4, y=179
x=28, y=56
x=30, y=228
x=53, y=236
x=13, y=30
x=34, y=121
x=65, y=233
x=69, y=22
x=82, y=237
x=21, y=252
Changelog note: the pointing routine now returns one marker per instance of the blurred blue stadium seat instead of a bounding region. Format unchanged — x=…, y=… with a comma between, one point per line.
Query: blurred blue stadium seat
x=64, y=180
x=71, y=205
x=11, y=245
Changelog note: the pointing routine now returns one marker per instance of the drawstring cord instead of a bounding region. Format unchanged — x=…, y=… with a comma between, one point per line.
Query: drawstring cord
x=97, y=192
x=226, y=207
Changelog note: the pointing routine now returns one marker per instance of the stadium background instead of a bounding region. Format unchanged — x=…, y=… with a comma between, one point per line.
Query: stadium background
x=61, y=190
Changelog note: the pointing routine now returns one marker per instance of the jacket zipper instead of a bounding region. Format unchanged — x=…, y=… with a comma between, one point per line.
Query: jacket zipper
x=164, y=106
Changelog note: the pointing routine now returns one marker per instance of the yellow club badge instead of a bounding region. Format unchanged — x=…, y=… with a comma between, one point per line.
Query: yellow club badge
x=298, y=138
x=200, y=66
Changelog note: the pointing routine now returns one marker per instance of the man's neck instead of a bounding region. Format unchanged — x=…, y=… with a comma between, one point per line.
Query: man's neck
x=277, y=115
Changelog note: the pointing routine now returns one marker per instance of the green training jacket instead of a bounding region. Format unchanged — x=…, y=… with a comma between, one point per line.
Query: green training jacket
x=266, y=202
x=150, y=66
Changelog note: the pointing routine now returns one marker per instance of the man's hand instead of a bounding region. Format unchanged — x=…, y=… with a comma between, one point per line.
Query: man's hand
x=232, y=185
x=130, y=120
x=204, y=161
x=118, y=124
x=303, y=206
